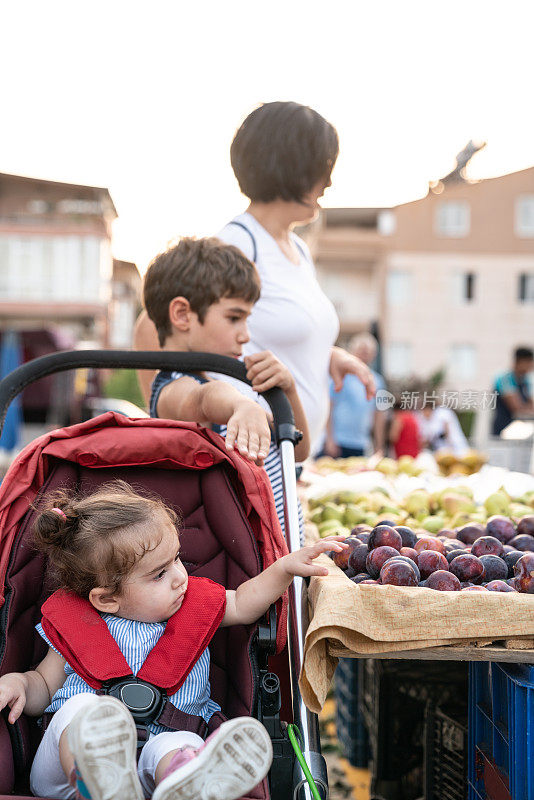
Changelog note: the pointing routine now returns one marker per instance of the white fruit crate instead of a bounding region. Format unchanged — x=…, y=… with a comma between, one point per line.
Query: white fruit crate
x=512, y=454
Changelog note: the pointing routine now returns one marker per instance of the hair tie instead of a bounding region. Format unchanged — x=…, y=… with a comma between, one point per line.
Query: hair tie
x=60, y=512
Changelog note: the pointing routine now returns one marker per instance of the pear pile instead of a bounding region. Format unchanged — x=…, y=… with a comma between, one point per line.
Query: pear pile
x=448, y=463
x=336, y=513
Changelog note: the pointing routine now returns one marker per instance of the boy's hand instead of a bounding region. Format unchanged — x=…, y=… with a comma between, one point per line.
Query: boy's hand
x=13, y=693
x=300, y=562
x=264, y=370
x=248, y=430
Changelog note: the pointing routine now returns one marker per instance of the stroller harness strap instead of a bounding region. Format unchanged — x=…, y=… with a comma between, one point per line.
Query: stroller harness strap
x=79, y=633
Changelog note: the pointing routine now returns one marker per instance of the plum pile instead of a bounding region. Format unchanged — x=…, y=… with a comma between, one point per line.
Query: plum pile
x=498, y=557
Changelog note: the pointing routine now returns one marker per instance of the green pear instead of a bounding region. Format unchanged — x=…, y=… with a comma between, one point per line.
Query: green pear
x=453, y=502
x=353, y=515
x=332, y=511
x=387, y=466
x=433, y=524
x=498, y=503
x=316, y=516
x=347, y=497
x=417, y=503
x=341, y=530
x=326, y=528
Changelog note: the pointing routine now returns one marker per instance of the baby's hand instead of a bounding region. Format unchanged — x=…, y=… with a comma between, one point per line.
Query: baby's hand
x=248, y=430
x=12, y=693
x=264, y=370
x=300, y=562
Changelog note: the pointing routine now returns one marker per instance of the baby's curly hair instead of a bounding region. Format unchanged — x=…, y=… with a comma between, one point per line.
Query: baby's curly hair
x=91, y=541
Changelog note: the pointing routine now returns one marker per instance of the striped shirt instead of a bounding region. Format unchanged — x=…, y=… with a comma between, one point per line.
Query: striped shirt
x=273, y=462
x=135, y=640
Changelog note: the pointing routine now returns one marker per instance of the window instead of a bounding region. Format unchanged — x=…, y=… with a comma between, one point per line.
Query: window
x=462, y=361
x=387, y=223
x=453, y=219
x=398, y=359
x=463, y=287
x=526, y=288
x=399, y=291
x=524, y=216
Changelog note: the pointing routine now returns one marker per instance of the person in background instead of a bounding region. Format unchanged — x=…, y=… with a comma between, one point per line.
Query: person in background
x=515, y=392
x=283, y=155
x=355, y=426
x=441, y=430
x=404, y=432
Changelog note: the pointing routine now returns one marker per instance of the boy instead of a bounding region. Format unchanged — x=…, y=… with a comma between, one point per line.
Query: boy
x=199, y=295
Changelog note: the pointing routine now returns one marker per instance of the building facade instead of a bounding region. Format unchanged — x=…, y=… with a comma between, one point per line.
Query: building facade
x=56, y=264
x=448, y=279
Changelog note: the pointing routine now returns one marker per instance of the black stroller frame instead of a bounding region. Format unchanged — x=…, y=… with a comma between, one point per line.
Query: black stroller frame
x=287, y=780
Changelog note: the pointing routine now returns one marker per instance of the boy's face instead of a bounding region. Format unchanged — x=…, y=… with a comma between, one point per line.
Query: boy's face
x=224, y=330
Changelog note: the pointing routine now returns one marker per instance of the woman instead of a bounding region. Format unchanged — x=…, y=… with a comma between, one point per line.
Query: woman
x=282, y=156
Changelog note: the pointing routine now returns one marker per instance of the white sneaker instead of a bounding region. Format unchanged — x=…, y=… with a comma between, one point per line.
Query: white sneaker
x=229, y=764
x=103, y=740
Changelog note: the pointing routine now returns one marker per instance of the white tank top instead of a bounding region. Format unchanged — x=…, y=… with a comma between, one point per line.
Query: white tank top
x=293, y=317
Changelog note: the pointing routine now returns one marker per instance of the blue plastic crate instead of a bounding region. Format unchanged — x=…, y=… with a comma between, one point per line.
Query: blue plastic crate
x=501, y=731
x=350, y=726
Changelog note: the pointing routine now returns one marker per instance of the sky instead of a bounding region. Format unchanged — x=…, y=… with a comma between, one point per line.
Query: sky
x=144, y=98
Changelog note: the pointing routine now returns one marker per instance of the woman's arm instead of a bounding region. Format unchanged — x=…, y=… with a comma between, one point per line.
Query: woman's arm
x=32, y=691
x=343, y=363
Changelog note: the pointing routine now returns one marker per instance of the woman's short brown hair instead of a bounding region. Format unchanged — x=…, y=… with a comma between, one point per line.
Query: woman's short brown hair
x=201, y=270
x=91, y=541
x=282, y=150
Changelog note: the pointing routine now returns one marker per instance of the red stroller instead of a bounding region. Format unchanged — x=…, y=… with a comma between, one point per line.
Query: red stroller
x=231, y=532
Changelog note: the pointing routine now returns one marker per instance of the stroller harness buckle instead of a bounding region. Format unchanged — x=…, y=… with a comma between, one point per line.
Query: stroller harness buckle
x=144, y=701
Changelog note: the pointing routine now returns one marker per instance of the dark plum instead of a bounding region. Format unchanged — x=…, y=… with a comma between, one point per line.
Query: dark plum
x=430, y=561
x=409, y=552
x=495, y=568
x=487, y=546
x=364, y=536
x=526, y=525
x=454, y=544
x=523, y=542
x=510, y=559
x=341, y=557
x=443, y=581
x=387, y=522
x=474, y=589
x=499, y=586
x=524, y=574
x=398, y=572
x=407, y=535
x=384, y=536
x=509, y=549
x=453, y=553
x=363, y=576
x=357, y=558
x=446, y=533
x=501, y=528
x=429, y=543
x=360, y=528
x=467, y=568
x=408, y=561
x=377, y=558
x=470, y=533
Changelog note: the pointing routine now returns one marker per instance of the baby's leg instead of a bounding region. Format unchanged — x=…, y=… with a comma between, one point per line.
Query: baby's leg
x=158, y=752
x=228, y=764
x=53, y=761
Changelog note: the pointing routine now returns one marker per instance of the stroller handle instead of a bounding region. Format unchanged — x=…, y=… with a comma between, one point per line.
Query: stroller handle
x=16, y=381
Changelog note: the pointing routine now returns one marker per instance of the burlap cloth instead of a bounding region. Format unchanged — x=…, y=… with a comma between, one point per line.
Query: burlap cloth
x=378, y=619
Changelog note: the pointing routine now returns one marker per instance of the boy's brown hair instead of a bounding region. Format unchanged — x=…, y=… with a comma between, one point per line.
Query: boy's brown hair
x=91, y=541
x=201, y=270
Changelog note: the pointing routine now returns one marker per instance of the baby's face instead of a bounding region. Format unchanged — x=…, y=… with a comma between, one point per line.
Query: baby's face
x=155, y=588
